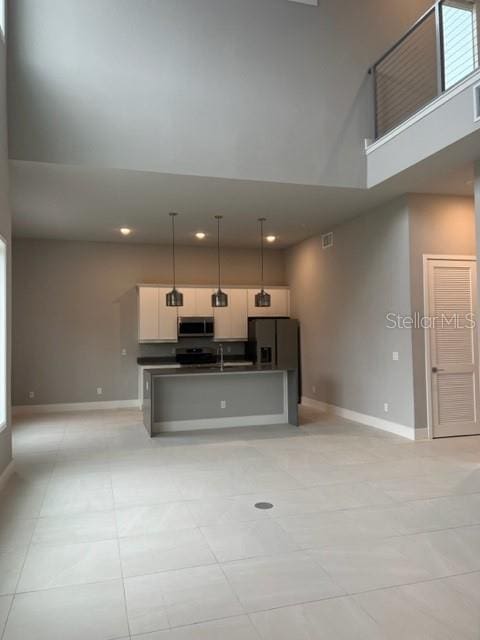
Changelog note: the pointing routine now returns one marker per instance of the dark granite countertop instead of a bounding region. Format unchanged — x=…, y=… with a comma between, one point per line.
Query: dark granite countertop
x=213, y=369
x=146, y=360
x=158, y=360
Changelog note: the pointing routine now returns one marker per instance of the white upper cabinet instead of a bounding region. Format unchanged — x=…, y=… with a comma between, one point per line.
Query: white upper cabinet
x=159, y=323
x=189, y=303
x=167, y=318
x=280, y=304
x=231, y=323
x=239, y=313
x=204, y=302
x=148, y=317
x=196, y=302
x=156, y=321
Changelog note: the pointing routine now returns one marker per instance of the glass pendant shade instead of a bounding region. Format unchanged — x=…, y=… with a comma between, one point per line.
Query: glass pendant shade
x=174, y=298
x=263, y=299
x=219, y=299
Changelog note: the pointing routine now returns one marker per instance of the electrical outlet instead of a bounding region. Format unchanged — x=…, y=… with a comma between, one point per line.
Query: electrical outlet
x=223, y=404
x=386, y=408
x=99, y=391
x=395, y=355
x=124, y=352
x=31, y=395
x=314, y=389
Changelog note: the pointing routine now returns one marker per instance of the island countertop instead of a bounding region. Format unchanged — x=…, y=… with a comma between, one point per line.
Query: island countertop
x=211, y=369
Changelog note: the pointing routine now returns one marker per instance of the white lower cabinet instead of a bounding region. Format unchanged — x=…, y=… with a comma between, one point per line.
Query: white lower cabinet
x=231, y=323
x=280, y=306
x=156, y=321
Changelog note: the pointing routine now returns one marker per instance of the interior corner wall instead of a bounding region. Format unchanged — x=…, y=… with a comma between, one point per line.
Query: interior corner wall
x=439, y=225
x=74, y=310
x=5, y=225
x=342, y=296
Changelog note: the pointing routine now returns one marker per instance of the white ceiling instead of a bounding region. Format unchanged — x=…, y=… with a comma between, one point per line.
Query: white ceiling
x=117, y=133
x=83, y=203
x=61, y=201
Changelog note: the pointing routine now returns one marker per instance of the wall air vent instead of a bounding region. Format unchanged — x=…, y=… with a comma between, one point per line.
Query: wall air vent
x=327, y=240
x=313, y=3
x=476, y=102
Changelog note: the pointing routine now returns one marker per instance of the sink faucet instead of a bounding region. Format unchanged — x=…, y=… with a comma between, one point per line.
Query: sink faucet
x=220, y=356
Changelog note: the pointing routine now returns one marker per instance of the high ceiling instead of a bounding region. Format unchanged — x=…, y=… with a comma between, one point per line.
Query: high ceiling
x=82, y=203
x=60, y=201
x=118, y=108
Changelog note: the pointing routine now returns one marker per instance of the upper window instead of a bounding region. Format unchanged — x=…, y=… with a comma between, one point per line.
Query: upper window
x=459, y=40
x=3, y=16
x=3, y=334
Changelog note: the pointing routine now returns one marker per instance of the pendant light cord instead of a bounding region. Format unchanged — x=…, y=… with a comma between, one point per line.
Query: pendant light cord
x=218, y=250
x=261, y=220
x=218, y=218
x=173, y=215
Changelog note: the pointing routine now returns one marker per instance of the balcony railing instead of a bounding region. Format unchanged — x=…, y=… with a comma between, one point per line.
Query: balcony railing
x=437, y=52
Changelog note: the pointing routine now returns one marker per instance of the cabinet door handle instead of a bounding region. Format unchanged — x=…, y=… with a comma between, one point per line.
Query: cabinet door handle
x=436, y=370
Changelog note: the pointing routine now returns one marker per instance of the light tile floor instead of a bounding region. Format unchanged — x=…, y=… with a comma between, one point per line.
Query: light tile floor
x=107, y=534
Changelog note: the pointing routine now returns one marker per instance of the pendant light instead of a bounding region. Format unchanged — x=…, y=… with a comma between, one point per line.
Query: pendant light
x=262, y=299
x=174, y=298
x=219, y=298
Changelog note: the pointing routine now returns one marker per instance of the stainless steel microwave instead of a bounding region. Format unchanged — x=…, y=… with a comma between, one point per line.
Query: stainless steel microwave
x=196, y=327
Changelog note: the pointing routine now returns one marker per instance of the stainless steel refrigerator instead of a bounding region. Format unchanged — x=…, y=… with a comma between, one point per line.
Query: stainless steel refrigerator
x=276, y=341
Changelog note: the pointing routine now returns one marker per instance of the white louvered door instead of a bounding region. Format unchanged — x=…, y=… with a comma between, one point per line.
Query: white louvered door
x=453, y=357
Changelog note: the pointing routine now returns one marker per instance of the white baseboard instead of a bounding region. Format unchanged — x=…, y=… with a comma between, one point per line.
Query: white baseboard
x=365, y=419
x=7, y=472
x=75, y=406
x=219, y=423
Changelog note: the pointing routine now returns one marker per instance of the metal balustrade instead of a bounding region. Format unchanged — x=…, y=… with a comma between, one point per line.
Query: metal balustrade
x=437, y=52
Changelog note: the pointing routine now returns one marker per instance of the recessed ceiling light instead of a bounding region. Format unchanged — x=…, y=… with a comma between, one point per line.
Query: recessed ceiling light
x=271, y=238
x=125, y=231
x=200, y=235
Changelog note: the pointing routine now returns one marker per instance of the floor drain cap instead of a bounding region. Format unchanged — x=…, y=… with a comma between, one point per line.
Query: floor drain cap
x=264, y=505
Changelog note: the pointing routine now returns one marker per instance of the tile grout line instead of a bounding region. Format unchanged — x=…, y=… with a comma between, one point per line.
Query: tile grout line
x=122, y=577
x=219, y=564
x=399, y=535
x=14, y=595
x=412, y=584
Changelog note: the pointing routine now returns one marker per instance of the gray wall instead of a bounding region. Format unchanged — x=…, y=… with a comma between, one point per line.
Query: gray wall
x=450, y=123
x=341, y=297
x=251, y=89
x=245, y=395
x=74, y=309
x=438, y=225
x=5, y=435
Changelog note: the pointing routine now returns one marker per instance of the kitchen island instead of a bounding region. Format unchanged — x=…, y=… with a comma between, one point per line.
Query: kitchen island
x=211, y=397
